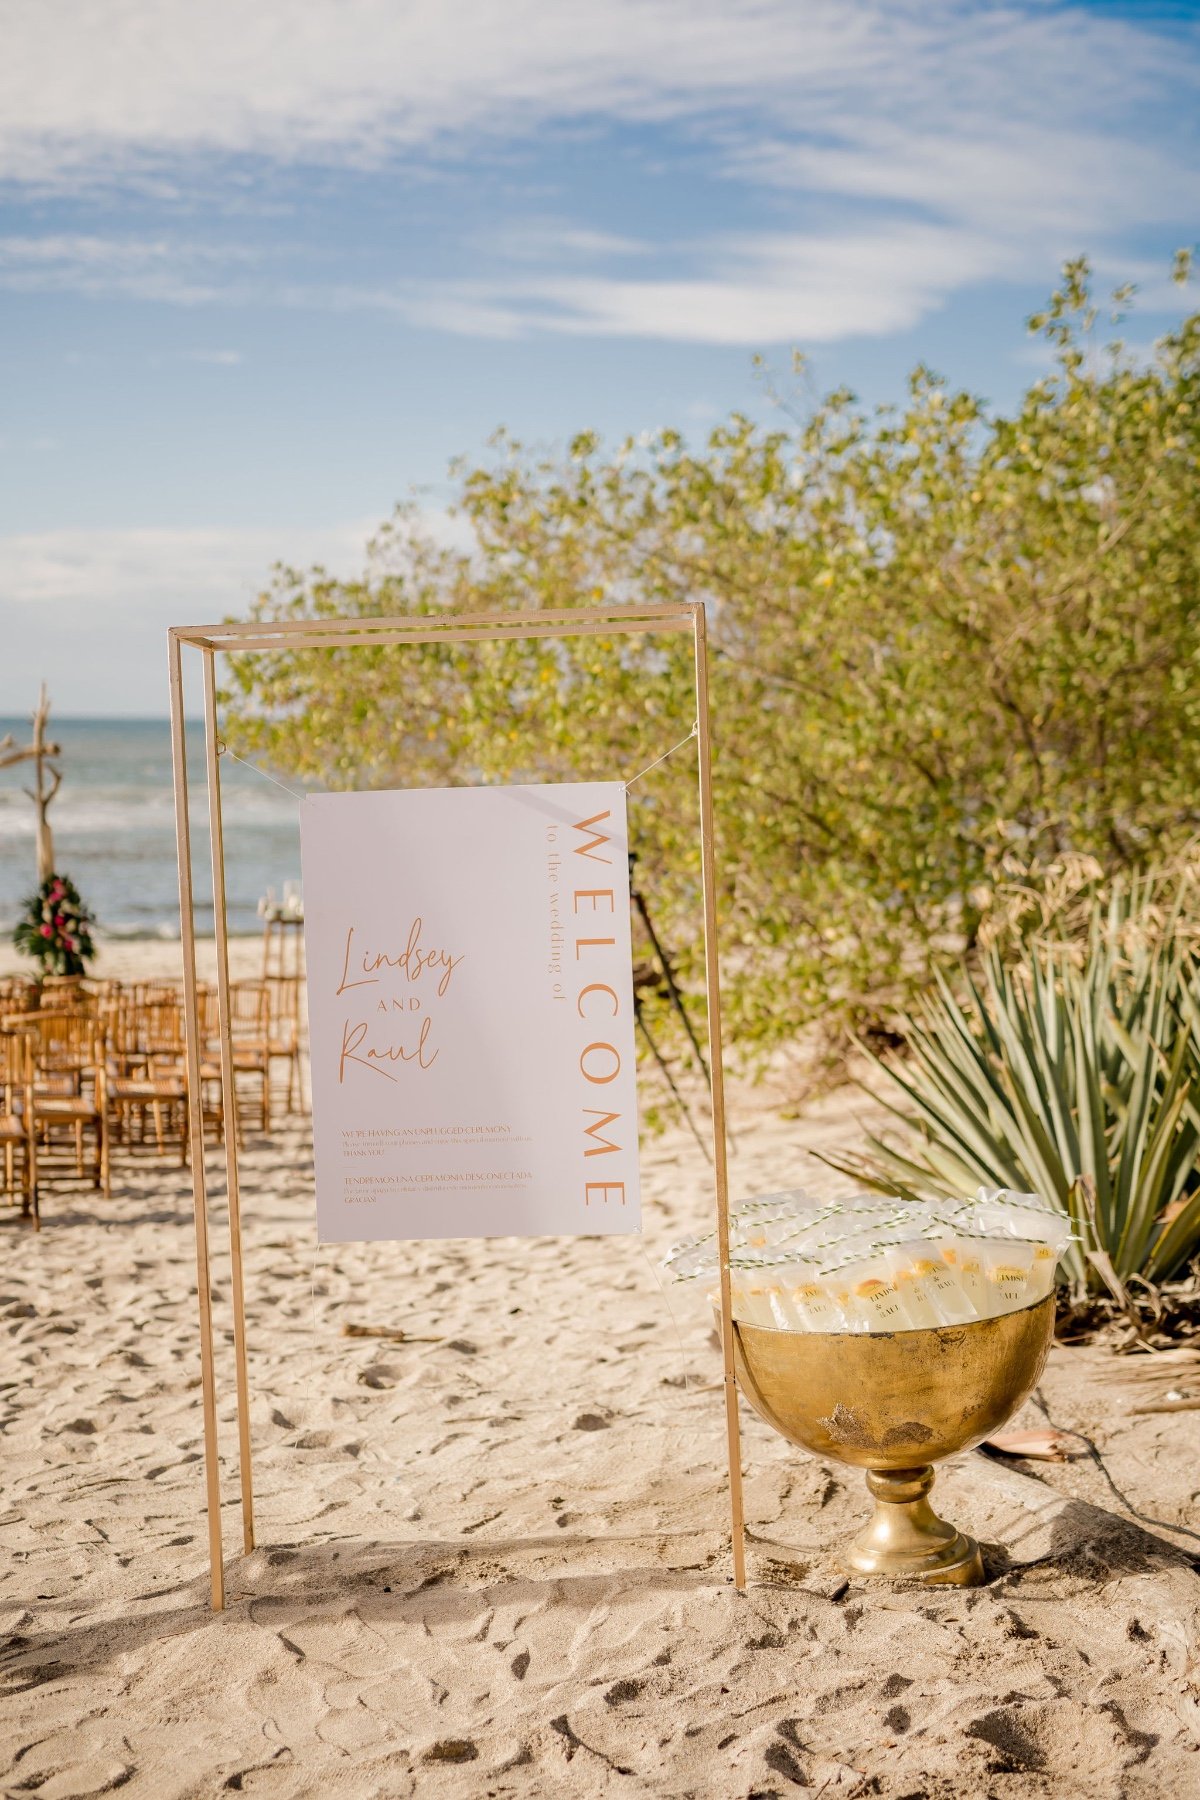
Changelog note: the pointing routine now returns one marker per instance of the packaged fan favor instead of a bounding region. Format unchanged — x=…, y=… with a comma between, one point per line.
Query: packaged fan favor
x=875, y=1263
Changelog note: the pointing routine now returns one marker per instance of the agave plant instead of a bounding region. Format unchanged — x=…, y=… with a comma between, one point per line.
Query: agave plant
x=1077, y=1078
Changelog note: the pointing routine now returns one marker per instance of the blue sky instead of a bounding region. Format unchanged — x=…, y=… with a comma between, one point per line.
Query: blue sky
x=264, y=271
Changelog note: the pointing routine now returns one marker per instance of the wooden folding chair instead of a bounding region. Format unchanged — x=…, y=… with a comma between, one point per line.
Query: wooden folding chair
x=285, y=1033
x=149, y=1072
x=250, y=1043
x=16, y=1140
x=18, y=994
x=152, y=993
x=69, y=1088
x=68, y=994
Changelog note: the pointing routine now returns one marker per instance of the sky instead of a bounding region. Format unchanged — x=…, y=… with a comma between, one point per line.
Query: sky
x=264, y=271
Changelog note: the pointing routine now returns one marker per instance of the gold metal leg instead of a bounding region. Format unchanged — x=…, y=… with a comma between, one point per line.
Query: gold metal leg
x=712, y=981
x=212, y=1467
x=906, y=1540
x=31, y=1164
x=229, y=1104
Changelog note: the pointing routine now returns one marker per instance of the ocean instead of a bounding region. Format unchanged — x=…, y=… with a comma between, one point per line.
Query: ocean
x=114, y=829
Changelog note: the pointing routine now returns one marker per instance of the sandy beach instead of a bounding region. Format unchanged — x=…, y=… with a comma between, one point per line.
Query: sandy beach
x=493, y=1556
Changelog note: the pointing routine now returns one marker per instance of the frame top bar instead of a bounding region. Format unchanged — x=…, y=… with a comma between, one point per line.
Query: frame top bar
x=428, y=628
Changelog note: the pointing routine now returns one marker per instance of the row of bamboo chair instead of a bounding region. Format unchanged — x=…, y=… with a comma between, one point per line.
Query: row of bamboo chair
x=104, y=1063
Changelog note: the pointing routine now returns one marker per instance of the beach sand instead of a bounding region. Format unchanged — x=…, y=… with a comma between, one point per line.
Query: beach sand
x=493, y=1558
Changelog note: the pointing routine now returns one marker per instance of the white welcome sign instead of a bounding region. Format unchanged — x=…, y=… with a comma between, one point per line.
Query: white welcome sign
x=470, y=993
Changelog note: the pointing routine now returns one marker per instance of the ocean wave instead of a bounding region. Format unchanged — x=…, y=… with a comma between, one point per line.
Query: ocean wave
x=163, y=932
x=114, y=833
x=138, y=814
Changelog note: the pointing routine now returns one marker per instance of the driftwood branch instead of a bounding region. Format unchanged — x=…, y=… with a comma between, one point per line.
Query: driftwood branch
x=12, y=753
x=48, y=778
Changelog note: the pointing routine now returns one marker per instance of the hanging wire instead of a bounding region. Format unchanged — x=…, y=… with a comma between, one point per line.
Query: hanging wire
x=694, y=732
x=224, y=750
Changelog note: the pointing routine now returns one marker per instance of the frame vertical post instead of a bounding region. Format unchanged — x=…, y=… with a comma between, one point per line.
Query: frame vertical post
x=712, y=977
x=187, y=926
x=229, y=1100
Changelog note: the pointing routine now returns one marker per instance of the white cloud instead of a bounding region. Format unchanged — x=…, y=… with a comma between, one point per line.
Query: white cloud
x=161, y=268
x=88, y=610
x=536, y=240
x=112, y=569
x=215, y=359
x=115, y=81
x=751, y=289
x=756, y=290
x=1015, y=175
x=106, y=84
x=930, y=144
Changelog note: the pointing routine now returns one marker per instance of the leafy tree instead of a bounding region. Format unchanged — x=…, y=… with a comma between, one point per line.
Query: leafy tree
x=941, y=639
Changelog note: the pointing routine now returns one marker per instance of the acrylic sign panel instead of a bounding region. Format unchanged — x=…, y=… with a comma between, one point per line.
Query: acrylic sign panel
x=470, y=992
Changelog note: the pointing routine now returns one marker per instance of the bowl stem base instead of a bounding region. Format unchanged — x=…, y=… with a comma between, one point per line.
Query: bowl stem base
x=906, y=1541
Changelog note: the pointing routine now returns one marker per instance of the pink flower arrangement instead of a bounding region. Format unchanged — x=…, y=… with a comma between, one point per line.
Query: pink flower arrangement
x=56, y=928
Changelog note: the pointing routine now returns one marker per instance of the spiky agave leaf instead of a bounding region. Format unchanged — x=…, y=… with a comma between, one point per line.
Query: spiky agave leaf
x=1054, y=1067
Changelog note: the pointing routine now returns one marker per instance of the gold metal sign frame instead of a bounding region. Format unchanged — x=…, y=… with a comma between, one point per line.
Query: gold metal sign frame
x=337, y=634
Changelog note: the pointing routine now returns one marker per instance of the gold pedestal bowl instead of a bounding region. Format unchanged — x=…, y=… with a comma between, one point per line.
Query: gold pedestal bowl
x=893, y=1403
